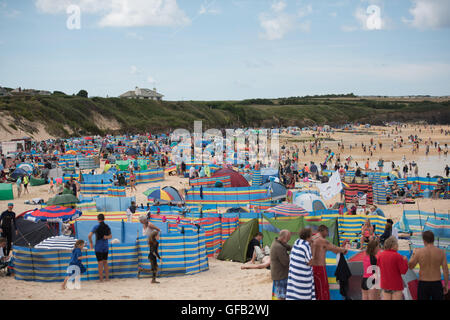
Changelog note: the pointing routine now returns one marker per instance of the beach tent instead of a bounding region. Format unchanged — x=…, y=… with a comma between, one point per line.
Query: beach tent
x=67, y=200
x=18, y=173
x=237, y=180
x=6, y=191
x=31, y=233
x=166, y=194
x=309, y=201
x=275, y=190
x=27, y=167
x=235, y=247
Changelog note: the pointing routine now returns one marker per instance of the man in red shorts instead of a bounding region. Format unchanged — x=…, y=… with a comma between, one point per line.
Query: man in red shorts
x=320, y=247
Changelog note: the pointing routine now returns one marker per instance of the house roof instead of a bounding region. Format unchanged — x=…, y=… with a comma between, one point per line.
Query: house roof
x=139, y=92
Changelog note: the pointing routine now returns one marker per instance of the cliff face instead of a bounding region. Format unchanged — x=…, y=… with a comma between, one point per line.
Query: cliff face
x=63, y=116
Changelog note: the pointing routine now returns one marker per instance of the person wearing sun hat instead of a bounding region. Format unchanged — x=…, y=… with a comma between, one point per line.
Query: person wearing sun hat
x=7, y=218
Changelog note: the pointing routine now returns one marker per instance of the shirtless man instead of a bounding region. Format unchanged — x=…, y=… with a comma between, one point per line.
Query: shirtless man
x=430, y=260
x=320, y=247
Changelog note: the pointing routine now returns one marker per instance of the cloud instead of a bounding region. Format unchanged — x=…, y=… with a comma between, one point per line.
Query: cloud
x=207, y=8
x=123, y=13
x=278, y=23
x=429, y=14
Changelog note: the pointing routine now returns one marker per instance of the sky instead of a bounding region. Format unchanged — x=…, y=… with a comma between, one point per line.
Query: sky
x=227, y=49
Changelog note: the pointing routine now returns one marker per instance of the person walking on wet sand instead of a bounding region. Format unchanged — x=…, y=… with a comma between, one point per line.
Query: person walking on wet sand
x=430, y=259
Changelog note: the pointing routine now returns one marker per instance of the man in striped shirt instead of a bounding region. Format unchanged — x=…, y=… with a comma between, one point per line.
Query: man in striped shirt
x=301, y=280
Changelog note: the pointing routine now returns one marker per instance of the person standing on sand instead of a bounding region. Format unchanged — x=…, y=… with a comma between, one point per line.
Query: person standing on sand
x=320, y=247
x=153, y=245
x=103, y=234
x=430, y=259
x=380, y=165
x=392, y=266
x=279, y=264
x=75, y=260
x=300, y=284
x=19, y=186
x=7, y=220
x=369, y=263
x=26, y=181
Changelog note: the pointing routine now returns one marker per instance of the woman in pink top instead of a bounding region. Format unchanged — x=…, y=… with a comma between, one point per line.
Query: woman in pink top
x=369, y=292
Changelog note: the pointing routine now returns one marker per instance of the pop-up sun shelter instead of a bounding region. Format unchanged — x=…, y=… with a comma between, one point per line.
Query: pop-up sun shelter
x=235, y=248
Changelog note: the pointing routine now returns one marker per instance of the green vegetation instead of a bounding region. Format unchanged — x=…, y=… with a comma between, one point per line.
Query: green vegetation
x=62, y=113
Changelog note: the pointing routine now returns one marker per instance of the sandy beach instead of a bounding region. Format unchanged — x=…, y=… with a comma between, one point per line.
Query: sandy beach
x=225, y=280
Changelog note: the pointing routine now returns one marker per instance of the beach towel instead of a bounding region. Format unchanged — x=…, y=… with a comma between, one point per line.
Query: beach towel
x=300, y=281
x=321, y=283
x=343, y=275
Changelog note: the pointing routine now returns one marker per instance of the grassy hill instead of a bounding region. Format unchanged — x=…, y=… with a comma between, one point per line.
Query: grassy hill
x=73, y=115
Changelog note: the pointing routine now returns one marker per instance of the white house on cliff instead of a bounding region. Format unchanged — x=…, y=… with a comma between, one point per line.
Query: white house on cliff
x=140, y=93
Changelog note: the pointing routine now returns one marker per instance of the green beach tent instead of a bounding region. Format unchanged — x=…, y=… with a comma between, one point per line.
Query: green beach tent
x=65, y=200
x=235, y=247
x=6, y=191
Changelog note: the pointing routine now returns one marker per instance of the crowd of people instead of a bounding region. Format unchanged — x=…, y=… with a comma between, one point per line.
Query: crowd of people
x=299, y=272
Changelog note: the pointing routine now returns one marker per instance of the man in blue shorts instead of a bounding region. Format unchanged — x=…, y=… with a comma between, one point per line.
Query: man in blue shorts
x=102, y=235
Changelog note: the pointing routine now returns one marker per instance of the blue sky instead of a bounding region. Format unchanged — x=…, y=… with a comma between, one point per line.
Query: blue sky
x=228, y=49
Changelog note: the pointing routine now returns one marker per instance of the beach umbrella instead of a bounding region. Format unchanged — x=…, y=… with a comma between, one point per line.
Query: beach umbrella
x=72, y=152
x=18, y=173
x=57, y=243
x=67, y=200
x=158, y=194
x=53, y=214
x=167, y=194
x=288, y=210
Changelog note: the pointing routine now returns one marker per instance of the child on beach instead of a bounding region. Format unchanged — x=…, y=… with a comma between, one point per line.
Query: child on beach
x=75, y=260
x=153, y=244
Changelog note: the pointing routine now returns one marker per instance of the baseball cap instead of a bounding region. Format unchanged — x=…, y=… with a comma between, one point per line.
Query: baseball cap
x=10, y=204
